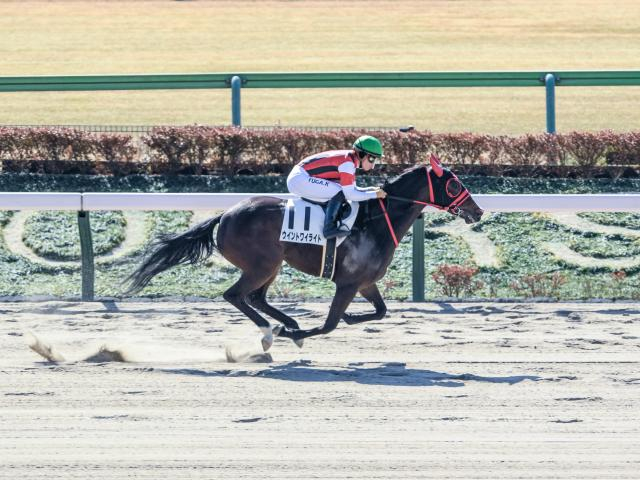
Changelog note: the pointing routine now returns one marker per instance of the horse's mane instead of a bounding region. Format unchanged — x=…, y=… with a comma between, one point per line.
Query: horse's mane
x=402, y=186
x=406, y=171
x=399, y=181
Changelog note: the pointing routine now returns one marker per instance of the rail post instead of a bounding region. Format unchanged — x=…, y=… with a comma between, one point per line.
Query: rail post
x=418, y=260
x=550, y=86
x=236, y=86
x=86, y=255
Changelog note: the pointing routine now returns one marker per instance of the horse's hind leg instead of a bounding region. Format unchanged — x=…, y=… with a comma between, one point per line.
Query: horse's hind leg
x=237, y=295
x=258, y=299
x=372, y=294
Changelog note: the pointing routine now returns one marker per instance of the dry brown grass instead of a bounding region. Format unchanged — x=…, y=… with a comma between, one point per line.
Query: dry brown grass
x=76, y=37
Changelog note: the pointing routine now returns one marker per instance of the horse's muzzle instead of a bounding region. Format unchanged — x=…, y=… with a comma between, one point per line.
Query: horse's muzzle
x=470, y=212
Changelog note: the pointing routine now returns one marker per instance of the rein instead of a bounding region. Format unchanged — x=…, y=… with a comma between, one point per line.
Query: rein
x=453, y=207
x=386, y=216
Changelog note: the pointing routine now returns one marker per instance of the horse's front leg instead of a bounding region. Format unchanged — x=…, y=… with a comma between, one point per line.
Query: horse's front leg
x=344, y=296
x=372, y=294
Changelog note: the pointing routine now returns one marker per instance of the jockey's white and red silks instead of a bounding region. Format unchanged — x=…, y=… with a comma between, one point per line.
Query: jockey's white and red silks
x=321, y=176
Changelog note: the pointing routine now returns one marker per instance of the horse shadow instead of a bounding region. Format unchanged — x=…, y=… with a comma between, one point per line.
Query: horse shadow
x=386, y=374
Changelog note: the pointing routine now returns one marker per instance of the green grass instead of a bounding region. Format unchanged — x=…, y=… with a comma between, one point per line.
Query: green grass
x=82, y=37
x=627, y=220
x=519, y=239
x=54, y=234
x=606, y=246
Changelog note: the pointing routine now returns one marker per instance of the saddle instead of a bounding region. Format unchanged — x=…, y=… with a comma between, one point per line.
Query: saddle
x=343, y=213
x=303, y=222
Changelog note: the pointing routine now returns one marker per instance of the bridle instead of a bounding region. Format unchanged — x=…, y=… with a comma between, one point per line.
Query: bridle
x=459, y=197
x=453, y=189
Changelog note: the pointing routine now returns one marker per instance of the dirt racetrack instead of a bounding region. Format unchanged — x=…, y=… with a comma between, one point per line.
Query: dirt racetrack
x=460, y=390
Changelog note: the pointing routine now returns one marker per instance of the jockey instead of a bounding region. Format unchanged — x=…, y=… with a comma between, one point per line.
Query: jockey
x=331, y=176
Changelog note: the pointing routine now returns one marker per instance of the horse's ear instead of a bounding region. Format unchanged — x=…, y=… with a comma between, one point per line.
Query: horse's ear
x=436, y=165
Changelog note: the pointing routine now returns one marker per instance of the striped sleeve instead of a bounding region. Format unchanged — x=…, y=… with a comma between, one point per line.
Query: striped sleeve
x=347, y=172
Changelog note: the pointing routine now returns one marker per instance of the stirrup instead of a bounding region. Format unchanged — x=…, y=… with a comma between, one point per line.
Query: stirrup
x=335, y=231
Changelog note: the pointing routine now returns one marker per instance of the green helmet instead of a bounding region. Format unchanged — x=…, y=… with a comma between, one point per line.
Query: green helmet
x=369, y=145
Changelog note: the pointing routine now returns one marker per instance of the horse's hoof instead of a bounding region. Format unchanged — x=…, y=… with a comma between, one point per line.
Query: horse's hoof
x=276, y=330
x=299, y=342
x=266, y=343
x=267, y=338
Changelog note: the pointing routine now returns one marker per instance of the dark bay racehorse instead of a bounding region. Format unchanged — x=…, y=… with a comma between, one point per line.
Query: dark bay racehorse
x=248, y=236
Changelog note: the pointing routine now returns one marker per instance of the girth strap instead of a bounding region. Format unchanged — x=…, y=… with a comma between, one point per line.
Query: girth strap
x=328, y=266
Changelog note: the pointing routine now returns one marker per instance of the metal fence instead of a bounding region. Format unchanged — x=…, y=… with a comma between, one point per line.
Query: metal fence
x=549, y=79
x=141, y=129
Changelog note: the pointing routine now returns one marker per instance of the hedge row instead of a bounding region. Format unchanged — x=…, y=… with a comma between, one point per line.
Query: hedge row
x=227, y=150
x=65, y=144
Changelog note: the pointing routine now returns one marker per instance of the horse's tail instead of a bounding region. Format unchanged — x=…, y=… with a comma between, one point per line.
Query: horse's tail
x=170, y=250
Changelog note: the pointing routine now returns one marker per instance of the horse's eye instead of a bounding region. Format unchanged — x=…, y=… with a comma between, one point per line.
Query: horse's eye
x=454, y=188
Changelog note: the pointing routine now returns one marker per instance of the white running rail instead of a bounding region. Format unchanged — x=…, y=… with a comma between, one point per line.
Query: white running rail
x=212, y=201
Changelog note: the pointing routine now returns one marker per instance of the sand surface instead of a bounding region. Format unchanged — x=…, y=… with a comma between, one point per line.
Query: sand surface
x=456, y=390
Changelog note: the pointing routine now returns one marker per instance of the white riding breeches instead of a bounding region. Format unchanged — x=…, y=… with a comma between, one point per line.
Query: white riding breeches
x=300, y=183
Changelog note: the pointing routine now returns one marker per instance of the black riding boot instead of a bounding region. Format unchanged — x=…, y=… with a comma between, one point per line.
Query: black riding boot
x=331, y=228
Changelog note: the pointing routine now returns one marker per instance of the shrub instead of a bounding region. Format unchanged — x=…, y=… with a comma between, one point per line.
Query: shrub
x=9, y=138
x=167, y=145
x=588, y=148
x=228, y=150
x=114, y=148
x=461, y=148
x=407, y=148
x=455, y=280
x=526, y=150
x=58, y=143
x=333, y=139
x=625, y=149
x=497, y=151
x=54, y=143
x=270, y=148
x=619, y=275
x=288, y=145
x=230, y=144
x=540, y=284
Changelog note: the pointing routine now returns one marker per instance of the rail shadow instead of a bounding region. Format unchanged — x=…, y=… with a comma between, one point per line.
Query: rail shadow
x=606, y=311
x=387, y=374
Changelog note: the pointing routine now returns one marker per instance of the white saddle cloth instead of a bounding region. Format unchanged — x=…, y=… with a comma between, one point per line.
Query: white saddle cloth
x=303, y=222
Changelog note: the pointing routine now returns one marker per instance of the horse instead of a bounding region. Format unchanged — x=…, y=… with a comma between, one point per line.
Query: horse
x=248, y=236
